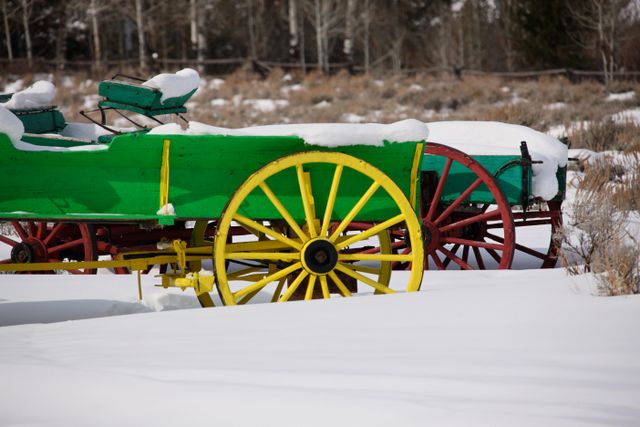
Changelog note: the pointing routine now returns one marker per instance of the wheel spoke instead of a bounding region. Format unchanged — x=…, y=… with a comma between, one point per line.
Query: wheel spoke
x=494, y=255
x=67, y=245
x=245, y=299
x=465, y=254
x=310, y=286
x=242, y=273
x=519, y=247
x=8, y=241
x=268, y=231
x=466, y=193
x=364, y=269
x=294, y=286
x=42, y=227
x=374, y=257
x=273, y=256
x=371, y=231
x=479, y=260
x=473, y=243
x=325, y=287
x=20, y=230
x=438, y=262
x=33, y=230
x=530, y=251
x=304, y=180
x=283, y=211
x=355, y=210
x=340, y=284
x=439, y=188
x=448, y=260
x=331, y=201
x=345, y=268
x=264, y=282
x=471, y=220
x=278, y=291
x=529, y=223
x=54, y=232
x=455, y=258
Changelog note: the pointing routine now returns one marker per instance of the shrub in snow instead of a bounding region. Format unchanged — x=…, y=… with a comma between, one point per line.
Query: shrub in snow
x=598, y=237
x=607, y=134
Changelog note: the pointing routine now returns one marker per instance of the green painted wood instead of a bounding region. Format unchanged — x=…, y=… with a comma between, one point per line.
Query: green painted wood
x=53, y=141
x=460, y=178
x=48, y=120
x=135, y=97
x=122, y=182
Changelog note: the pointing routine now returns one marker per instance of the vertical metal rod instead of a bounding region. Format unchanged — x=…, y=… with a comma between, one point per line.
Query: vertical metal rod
x=139, y=285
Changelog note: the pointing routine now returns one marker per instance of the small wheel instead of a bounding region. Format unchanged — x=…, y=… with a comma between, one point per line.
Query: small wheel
x=35, y=242
x=455, y=232
x=316, y=255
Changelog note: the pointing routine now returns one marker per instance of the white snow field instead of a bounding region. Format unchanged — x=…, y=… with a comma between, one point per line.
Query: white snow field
x=483, y=348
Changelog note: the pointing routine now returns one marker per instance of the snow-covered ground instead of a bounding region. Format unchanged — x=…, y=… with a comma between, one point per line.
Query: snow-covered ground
x=490, y=348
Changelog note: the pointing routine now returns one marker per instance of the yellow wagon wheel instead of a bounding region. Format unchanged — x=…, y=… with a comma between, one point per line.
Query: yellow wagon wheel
x=314, y=256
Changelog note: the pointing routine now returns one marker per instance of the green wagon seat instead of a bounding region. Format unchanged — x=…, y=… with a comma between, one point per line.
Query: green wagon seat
x=140, y=99
x=41, y=120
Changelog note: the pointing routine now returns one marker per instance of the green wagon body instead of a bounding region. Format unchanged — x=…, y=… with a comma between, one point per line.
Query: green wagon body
x=512, y=177
x=122, y=182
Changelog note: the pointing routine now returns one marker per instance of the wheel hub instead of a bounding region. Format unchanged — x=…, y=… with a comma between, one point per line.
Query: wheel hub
x=319, y=256
x=30, y=250
x=430, y=236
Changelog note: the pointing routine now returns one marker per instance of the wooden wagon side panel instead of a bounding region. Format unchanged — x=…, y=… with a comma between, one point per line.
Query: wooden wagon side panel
x=120, y=182
x=123, y=181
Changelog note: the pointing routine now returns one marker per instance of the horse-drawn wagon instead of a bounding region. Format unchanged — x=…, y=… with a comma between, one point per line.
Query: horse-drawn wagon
x=284, y=212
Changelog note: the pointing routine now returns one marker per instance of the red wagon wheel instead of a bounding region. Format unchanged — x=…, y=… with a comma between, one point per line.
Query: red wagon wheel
x=457, y=232
x=544, y=220
x=30, y=242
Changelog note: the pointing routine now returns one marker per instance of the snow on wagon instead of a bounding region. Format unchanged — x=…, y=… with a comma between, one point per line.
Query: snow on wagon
x=284, y=211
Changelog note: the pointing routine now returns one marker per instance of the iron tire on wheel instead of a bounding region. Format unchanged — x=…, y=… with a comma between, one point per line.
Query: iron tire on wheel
x=316, y=250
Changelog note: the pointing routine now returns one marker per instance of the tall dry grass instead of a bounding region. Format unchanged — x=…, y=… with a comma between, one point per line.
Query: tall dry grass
x=540, y=104
x=598, y=236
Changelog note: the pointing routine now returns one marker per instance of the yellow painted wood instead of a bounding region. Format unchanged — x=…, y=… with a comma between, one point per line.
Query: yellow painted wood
x=331, y=200
x=310, y=286
x=417, y=158
x=340, y=284
x=293, y=286
x=307, y=199
x=325, y=287
x=371, y=231
x=283, y=211
x=164, y=176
